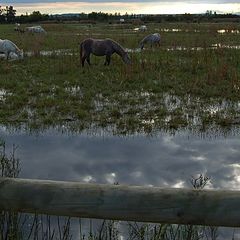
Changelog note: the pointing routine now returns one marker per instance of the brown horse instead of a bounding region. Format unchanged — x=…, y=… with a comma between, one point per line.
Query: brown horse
x=101, y=47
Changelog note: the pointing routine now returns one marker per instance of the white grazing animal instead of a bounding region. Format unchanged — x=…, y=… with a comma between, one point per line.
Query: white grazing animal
x=7, y=47
x=143, y=28
x=154, y=38
x=35, y=29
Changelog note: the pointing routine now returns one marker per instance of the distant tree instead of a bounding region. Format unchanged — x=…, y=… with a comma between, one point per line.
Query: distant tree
x=35, y=16
x=100, y=16
x=2, y=17
x=10, y=14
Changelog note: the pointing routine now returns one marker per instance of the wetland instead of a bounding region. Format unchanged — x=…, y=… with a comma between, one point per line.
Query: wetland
x=172, y=114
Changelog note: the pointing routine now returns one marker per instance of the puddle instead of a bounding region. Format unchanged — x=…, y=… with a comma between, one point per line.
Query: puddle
x=74, y=90
x=181, y=48
x=159, y=159
x=171, y=30
x=219, y=45
x=162, y=160
x=213, y=46
x=178, y=30
x=94, y=158
x=130, y=50
x=136, y=29
x=46, y=53
x=4, y=94
x=220, y=31
x=70, y=52
x=234, y=31
x=164, y=112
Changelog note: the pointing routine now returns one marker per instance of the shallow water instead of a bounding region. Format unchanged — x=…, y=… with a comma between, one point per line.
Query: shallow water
x=220, y=31
x=162, y=160
x=70, y=52
x=3, y=94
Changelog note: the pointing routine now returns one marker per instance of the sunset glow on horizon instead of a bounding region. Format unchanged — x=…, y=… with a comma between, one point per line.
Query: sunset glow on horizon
x=123, y=7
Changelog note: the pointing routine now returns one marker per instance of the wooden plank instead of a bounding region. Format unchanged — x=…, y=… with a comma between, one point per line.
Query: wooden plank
x=117, y=202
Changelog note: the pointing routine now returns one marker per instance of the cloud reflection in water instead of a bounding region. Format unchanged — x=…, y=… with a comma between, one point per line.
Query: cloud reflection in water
x=163, y=160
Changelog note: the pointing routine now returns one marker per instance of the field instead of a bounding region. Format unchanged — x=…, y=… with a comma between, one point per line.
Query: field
x=190, y=82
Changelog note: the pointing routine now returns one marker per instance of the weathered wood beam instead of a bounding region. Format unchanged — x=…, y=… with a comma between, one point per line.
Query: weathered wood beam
x=118, y=202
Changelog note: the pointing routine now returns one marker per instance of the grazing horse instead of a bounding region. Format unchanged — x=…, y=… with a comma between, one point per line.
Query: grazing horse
x=7, y=47
x=152, y=39
x=143, y=28
x=101, y=47
x=35, y=29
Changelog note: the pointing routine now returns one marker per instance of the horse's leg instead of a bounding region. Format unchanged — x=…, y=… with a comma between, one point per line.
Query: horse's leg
x=84, y=57
x=108, y=59
x=7, y=55
x=88, y=60
x=83, y=60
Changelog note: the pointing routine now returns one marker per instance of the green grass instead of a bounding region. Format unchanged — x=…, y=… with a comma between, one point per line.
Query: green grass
x=53, y=90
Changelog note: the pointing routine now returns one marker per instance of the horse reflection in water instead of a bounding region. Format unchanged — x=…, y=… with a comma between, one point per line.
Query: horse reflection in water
x=154, y=38
x=102, y=47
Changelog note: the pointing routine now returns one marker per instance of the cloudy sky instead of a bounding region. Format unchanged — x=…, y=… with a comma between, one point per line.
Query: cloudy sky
x=132, y=6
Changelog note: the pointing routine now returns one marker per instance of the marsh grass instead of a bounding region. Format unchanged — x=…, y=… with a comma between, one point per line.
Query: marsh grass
x=40, y=86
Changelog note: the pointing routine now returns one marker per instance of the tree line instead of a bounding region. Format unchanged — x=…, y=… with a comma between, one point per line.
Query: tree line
x=8, y=15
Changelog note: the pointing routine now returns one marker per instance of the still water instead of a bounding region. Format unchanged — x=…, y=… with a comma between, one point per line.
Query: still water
x=163, y=160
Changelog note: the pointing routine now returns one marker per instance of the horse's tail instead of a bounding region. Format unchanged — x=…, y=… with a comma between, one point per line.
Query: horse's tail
x=141, y=44
x=144, y=41
x=81, y=51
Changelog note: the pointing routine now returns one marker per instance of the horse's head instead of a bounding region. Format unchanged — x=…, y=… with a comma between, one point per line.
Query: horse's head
x=141, y=45
x=20, y=54
x=126, y=58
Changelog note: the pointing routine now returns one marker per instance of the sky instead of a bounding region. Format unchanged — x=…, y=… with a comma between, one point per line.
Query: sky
x=132, y=6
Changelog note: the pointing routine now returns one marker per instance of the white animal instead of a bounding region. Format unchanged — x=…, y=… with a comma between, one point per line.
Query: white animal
x=154, y=38
x=35, y=29
x=143, y=28
x=17, y=26
x=8, y=48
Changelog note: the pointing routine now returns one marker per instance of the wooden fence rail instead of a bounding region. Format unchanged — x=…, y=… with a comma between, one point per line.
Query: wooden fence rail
x=117, y=202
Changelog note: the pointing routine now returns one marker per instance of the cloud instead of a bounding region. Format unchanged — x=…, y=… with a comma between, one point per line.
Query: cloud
x=132, y=6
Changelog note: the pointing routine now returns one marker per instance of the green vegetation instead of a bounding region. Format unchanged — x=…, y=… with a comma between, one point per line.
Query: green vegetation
x=189, y=82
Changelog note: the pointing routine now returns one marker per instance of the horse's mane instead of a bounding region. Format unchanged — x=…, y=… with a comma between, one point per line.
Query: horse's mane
x=146, y=38
x=117, y=47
